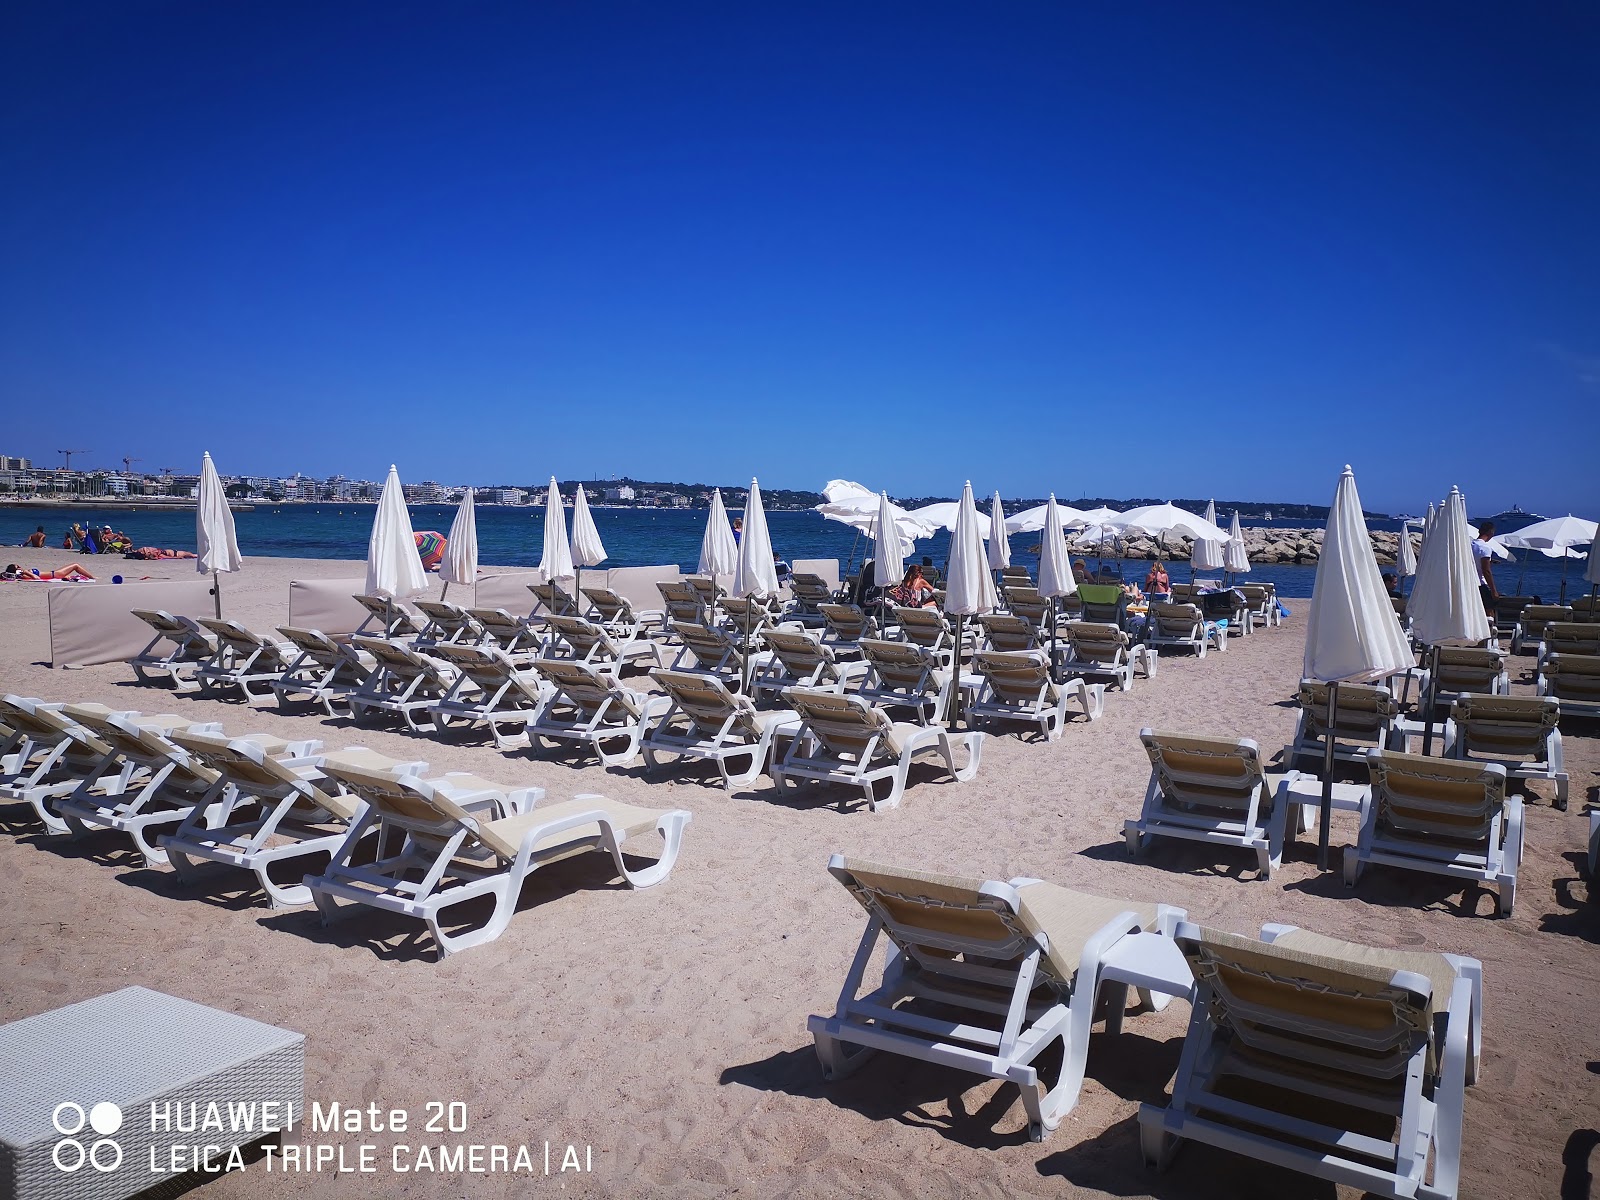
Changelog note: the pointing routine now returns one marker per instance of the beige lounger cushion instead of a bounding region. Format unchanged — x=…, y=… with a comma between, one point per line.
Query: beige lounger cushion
x=1435, y=968
x=1070, y=918
x=505, y=837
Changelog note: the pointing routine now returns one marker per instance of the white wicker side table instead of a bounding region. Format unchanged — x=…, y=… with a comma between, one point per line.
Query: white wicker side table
x=82, y=1086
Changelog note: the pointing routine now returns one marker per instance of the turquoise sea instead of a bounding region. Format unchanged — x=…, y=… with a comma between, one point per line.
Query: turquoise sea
x=633, y=537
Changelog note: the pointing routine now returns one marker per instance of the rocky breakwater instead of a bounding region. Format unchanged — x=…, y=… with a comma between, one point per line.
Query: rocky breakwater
x=1302, y=546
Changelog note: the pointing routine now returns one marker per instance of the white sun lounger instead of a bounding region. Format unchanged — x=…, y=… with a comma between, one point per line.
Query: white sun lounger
x=592, y=708
x=490, y=689
x=451, y=853
x=902, y=675
x=1521, y=733
x=49, y=755
x=281, y=810
x=845, y=740
x=578, y=640
x=1572, y=679
x=1215, y=790
x=1099, y=651
x=708, y=721
x=386, y=618
x=1016, y=686
x=514, y=635
x=244, y=660
x=168, y=786
x=795, y=658
x=1440, y=816
x=447, y=622
x=190, y=646
x=1299, y=1044
x=403, y=681
x=1020, y=963
x=324, y=672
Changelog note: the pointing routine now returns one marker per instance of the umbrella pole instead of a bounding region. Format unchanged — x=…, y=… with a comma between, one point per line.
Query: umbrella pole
x=1563, y=599
x=216, y=591
x=1327, y=776
x=952, y=712
x=444, y=591
x=577, y=589
x=745, y=689
x=1523, y=572
x=1433, y=692
x=1053, y=666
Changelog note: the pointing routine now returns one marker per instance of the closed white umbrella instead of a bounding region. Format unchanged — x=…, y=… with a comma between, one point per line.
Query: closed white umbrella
x=1235, y=555
x=1207, y=552
x=1352, y=633
x=461, y=547
x=999, y=543
x=215, y=539
x=1445, y=607
x=1591, y=573
x=719, y=553
x=1055, y=567
x=754, y=576
x=888, y=565
x=969, y=589
x=557, y=560
x=1405, y=559
x=587, y=549
x=394, y=568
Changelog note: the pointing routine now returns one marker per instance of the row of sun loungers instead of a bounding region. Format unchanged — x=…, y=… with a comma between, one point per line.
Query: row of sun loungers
x=394, y=837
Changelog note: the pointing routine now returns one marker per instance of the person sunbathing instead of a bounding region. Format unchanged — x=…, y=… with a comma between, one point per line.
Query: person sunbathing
x=71, y=573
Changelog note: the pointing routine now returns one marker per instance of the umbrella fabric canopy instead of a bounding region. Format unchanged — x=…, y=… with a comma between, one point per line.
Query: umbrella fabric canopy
x=430, y=548
x=853, y=505
x=1352, y=633
x=719, y=553
x=394, y=569
x=888, y=563
x=999, y=544
x=215, y=539
x=1098, y=516
x=969, y=589
x=557, y=560
x=1055, y=564
x=1445, y=607
x=1235, y=558
x=1096, y=535
x=1499, y=549
x=461, y=547
x=1427, y=532
x=1405, y=561
x=214, y=536
x=754, y=573
x=1558, y=533
x=1159, y=519
x=587, y=549
x=1032, y=520
x=1207, y=552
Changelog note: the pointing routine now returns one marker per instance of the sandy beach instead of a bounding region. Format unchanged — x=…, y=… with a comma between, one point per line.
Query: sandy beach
x=666, y=1028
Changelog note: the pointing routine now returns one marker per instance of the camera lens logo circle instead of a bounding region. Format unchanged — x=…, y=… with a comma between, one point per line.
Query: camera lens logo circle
x=69, y=1153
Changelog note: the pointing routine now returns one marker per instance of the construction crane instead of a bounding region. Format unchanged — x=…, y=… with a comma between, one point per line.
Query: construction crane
x=69, y=454
x=168, y=470
x=127, y=464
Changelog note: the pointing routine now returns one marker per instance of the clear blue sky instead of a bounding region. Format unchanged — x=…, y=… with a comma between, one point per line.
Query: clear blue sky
x=1121, y=249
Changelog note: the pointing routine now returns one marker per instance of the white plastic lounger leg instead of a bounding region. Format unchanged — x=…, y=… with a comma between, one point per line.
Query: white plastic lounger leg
x=670, y=826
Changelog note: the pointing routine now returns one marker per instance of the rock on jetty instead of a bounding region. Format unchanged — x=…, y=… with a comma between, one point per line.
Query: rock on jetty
x=1263, y=546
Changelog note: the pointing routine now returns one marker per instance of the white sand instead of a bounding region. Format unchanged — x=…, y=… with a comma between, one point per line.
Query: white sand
x=666, y=1028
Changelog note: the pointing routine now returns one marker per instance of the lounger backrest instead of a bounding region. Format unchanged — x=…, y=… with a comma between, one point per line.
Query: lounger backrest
x=1586, y=609
x=1017, y=677
x=401, y=660
x=708, y=703
x=946, y=923
x=924, y=627
x=847, y=622
x=1572, y=637
x=586, y=687
x=1468, y=668
x=705, y=587
x=1311, y=1012
x=416, y=804
x=900, y=666
x=844, y=724
x=392, y=613
x=1454, y=803
x=182, y=630
x=552, y=596
x=1573, y=677
x=484, y=665
x=499, y=624
x=583, y=636
x=235, y=636
x=1506, y=724
x=1535, y=617
x=1102, y=602
x=800, y=653
x=613, y=609
x=809, y=589
x=1004, y=632
x=1204, y=772
x=143, y=745
x=314, y=643
x=47, y=724
x=255, y=772
x=1177, y=620
x=1093, y=641
x=1028, y=604
x=710, y=647
x=1364, y=710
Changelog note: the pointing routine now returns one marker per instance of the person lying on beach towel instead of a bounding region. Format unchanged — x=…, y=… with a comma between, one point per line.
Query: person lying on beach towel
x=154, y=552
x=71, y=573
